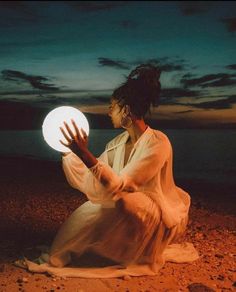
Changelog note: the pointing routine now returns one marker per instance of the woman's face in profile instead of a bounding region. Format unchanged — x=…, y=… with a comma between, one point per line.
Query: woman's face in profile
x=115, y=112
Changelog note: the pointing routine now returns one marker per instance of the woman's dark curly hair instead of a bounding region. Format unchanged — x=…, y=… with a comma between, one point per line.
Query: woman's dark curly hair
x=140, y=91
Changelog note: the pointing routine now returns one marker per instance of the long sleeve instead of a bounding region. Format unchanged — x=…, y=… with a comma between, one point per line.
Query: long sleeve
x=80, y=177
x=149, y=169
x=156, y=158
x=101, y=183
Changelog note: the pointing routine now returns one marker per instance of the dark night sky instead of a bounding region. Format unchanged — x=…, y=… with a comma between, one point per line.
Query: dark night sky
x=75, y=53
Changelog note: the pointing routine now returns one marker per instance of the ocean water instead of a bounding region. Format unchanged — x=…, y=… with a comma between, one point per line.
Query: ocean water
x=199, y=154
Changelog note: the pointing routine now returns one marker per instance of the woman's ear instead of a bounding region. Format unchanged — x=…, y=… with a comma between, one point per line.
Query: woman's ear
x=127, y=110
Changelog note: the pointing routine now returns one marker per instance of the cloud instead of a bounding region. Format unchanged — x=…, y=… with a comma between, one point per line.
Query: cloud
x=217, y=104
x=171, y=67
x=169, y=94
x=224, y=81
x=91, y=6
x=210, y=80
x=103, y=99
x=232, y=67
x=188, y=75
x=75, y=100
x=113, y=63
x=164, y=63
x=184, y=112
x=224, y=103
x=101, y=95
x=230, y=23
x=189, y=8
x=37, y=82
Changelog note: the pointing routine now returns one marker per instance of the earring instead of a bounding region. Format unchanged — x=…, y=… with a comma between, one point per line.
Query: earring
x=126, y=121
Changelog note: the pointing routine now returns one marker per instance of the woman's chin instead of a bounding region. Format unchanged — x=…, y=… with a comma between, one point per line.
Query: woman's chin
x=115, y=126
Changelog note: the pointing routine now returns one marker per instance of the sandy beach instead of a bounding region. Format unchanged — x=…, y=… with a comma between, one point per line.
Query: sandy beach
x=36, y=200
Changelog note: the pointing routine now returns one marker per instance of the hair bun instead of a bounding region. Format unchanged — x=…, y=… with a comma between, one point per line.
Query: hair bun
x=147, y=76
x=146, y=73
x=140, y=90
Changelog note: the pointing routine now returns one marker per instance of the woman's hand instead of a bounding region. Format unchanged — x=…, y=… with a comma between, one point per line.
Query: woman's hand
x=77, y=143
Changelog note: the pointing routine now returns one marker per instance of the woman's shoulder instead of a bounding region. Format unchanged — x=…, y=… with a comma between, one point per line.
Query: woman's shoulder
x=158, y=134
x=158, y=137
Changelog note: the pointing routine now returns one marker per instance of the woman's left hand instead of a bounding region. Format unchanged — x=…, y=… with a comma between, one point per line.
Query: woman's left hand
x=77, y=143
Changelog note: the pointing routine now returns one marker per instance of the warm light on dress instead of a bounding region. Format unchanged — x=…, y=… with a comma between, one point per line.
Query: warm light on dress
x=54, y=120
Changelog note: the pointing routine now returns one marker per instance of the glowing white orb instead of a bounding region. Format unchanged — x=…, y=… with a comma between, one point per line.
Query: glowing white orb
x=54, y=120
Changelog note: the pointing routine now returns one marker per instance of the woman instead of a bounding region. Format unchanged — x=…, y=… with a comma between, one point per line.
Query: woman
x=134, y=209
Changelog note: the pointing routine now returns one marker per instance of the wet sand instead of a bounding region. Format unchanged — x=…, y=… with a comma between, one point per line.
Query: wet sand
x=36, y=200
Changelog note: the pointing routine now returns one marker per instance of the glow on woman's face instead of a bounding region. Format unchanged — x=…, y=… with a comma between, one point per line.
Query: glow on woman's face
x=115, y=112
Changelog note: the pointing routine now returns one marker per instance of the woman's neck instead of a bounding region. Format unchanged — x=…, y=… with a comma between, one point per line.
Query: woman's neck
x=136, y=130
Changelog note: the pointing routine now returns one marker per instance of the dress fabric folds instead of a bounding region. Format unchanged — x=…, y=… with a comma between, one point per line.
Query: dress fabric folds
x=133, y=215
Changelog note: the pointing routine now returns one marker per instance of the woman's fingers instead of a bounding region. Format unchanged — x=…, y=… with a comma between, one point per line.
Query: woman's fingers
x=84, y=133
x=69, y=131
x=74, y=135
x=63, y=143
x=68, y=139
x=76, y=129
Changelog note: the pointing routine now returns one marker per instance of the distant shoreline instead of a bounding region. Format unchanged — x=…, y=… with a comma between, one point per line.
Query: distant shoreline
x=101, y=122
x=19, y=116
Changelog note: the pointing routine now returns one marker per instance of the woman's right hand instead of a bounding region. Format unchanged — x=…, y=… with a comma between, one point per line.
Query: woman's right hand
x=77, y=143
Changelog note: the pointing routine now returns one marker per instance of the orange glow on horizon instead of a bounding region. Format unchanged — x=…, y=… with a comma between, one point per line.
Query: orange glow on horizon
x=179, y=112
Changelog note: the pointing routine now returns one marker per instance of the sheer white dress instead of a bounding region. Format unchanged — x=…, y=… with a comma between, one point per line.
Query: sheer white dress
x=133, y=214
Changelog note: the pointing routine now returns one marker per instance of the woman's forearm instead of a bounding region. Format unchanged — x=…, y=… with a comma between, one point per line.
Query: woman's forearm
x=88, y=158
